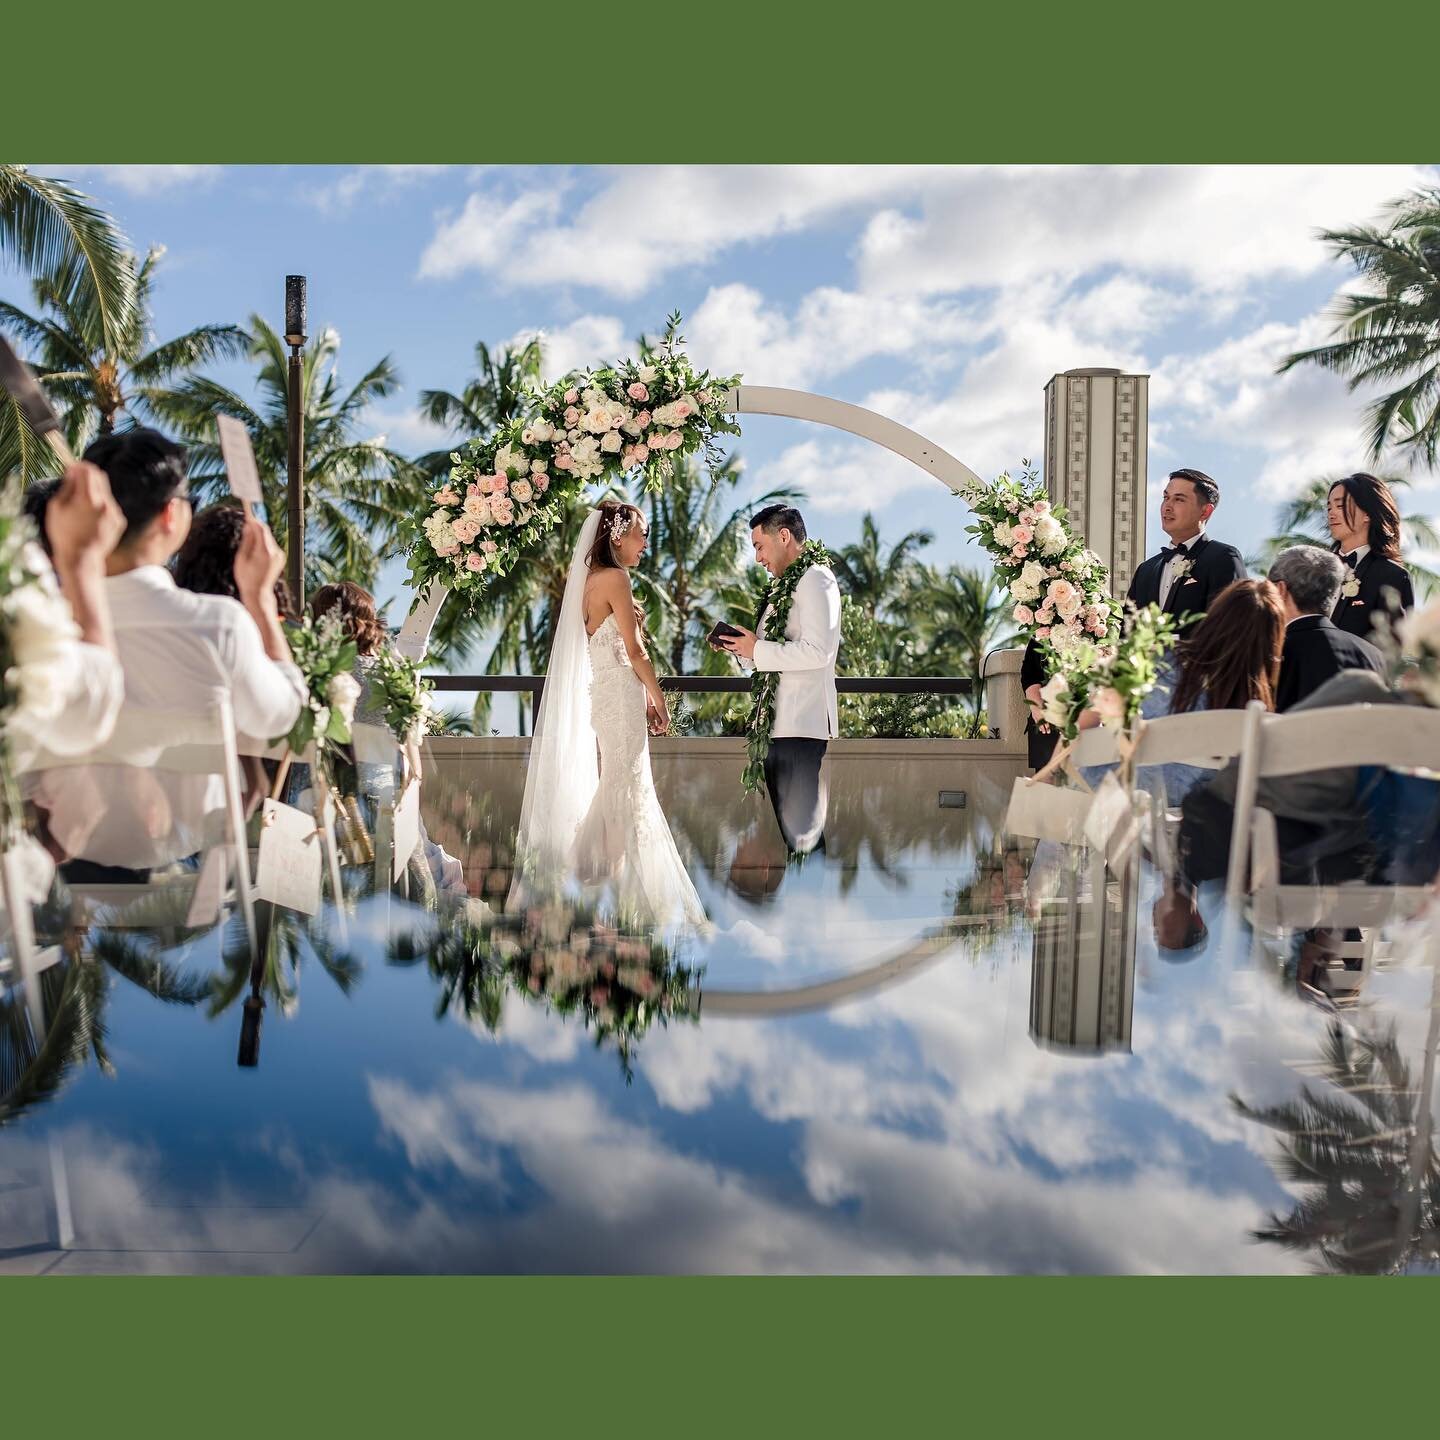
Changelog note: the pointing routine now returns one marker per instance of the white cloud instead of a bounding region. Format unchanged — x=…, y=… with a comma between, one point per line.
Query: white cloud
x=591, y=340
x=371, y=182
x=139, y=180
x=646, y=221
x=841, y=475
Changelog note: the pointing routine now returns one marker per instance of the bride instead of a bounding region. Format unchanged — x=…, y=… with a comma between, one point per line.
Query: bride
x=590, y=812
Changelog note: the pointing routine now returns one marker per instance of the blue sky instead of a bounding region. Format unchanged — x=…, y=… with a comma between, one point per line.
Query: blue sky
x=943, y=297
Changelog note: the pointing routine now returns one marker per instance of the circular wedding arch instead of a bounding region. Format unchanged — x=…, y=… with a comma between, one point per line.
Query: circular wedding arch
x=767, y=400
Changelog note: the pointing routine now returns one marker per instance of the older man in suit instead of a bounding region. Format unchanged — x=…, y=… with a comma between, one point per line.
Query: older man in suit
x=1308, y=579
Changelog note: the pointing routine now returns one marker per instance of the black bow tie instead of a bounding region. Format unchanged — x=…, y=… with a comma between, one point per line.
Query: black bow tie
x=1350, y=558
x=1169, y=550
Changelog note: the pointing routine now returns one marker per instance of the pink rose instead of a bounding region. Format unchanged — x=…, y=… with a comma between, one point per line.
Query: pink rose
x=484, y=487
x=572, y=417
x=521, y=490
x=501, y=485
x=643, y=419
x=1041, y=507
x=472, y=490
x=541, y=482
x=447, y=497
x=564, y=462
x=446, y=550
x=684, y=409
x=704, y=397
x=1022, y=534
x=1043, y=633
x=474, y=561
x=674, y=440
x=1024, y=615
x=638, y=392
x=489, y=546
x=642, y=454
x=1019, y=552
x=571, y=396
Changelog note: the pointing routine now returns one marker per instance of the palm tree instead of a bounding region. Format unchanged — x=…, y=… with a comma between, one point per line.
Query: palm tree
x=957, y=616
x=494, y=395
x=357, y=490
x=1301, y=521
x=698, y=544
x=1366, y=1156
x=874, y=577
x=49, y=228
x=1390, y=330
x=93, y=376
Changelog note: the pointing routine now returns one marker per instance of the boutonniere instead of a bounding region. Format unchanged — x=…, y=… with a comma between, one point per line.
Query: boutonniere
x=1351, y=588
x=1181, y=568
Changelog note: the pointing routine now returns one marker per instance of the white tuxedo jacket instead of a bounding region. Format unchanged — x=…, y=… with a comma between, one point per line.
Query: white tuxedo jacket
x=805, y=702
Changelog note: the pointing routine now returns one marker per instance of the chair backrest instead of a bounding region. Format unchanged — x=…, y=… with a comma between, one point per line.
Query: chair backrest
x=1402, y=737
x=1207, y=738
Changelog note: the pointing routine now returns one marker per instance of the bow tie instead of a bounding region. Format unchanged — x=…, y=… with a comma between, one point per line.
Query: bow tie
x=1349, y=559
x=1170, y=550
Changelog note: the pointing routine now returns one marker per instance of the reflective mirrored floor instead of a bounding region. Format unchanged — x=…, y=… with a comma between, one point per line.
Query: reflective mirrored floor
x=927, y=1048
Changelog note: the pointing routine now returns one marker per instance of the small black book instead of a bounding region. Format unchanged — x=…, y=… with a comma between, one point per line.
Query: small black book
x=721, y=631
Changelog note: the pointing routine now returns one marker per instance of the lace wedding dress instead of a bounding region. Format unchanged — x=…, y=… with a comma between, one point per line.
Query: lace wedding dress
x=590, y=815
x=624, y=840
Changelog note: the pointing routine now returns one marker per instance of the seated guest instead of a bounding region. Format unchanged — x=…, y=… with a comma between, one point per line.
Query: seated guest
x=356, y=608
x=1365, y=523
x=1327, y=823
x=180, y=652
x=1308, y=579
x=1229, y=659
x=78, y=523
x=205, y=563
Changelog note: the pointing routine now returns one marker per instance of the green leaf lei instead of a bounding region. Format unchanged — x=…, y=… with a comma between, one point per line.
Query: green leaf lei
x=764, y=683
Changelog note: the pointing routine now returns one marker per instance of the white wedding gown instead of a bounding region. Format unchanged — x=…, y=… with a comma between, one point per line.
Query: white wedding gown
x=590, y=816
x=624, y=841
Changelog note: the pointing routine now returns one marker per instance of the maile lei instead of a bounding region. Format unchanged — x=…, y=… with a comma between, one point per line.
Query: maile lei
x=763, y=684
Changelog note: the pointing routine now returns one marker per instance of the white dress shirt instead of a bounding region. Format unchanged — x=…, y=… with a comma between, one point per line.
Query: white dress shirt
x=180, y=652
x=1356, y=555
x=805, y=699
x=1167, y=575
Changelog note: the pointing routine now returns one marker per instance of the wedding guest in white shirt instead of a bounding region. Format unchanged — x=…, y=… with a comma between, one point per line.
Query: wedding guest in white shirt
x=78, y=523
x=180, y=652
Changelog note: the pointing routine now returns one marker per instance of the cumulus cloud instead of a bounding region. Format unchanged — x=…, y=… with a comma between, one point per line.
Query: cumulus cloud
x=139, y=180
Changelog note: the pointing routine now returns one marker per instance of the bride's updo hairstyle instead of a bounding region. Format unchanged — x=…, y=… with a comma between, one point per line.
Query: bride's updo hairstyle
x=616, y=518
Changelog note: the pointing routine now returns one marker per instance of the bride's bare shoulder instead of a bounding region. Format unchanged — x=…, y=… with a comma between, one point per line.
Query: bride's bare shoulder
x=613, y=583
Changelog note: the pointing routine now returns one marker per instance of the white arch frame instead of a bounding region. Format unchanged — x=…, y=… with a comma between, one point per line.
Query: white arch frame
x=766, y=400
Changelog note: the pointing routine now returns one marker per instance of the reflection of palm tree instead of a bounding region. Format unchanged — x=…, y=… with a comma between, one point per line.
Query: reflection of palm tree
x=286, y=940
x=1366, y=1157
x=1301, y=521
x=34, y=1067
x=1390, y=330
x=92, y=372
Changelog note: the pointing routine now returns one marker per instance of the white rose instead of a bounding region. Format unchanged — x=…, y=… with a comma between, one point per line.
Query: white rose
x=1109, y=704
x=1049, y=534
x=1054, y=700
x=610, y=444
x=522, y=490
x=647, y=374
x=342, y=693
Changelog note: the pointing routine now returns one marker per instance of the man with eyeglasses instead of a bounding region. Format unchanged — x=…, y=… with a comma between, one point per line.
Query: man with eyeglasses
x=179, y=651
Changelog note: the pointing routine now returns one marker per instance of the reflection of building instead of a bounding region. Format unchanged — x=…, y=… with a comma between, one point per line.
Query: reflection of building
x=1082, y=974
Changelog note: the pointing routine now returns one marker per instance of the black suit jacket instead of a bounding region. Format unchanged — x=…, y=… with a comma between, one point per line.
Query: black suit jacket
x=1213, y=566
x=1041, y=743
x=1357, y=614
x=1314, y=651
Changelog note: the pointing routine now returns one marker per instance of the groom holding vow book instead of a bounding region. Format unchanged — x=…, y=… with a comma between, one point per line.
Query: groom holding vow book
x=806, y=711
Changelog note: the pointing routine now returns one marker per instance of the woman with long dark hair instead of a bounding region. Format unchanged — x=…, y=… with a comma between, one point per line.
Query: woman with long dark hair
x=1229, y=659
x=1364, y=522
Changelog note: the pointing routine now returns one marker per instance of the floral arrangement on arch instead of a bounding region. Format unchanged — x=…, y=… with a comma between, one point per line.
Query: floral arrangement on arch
x=1060, y=588
x=506, y=490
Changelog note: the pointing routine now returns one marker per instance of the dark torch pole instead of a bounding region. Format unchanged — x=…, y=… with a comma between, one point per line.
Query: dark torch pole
x=295, y=339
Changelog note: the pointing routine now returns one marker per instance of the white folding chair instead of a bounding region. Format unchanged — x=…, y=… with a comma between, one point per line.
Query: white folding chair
x=1402, y=737
x=197, y=745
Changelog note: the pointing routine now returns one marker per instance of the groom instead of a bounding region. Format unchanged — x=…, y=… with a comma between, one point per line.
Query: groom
x=806, y=711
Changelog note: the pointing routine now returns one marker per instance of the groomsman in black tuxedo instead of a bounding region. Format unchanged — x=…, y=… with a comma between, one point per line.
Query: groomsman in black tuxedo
x=1193, y=569
x=1308, y=579
x=1365, y=523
